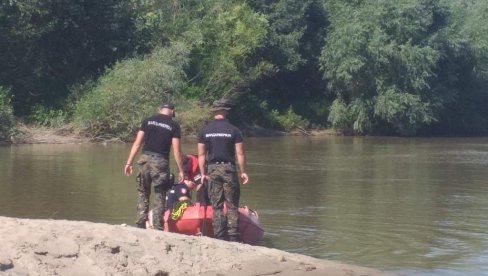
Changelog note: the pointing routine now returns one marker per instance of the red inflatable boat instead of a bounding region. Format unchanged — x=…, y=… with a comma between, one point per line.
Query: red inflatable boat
x=192, y=223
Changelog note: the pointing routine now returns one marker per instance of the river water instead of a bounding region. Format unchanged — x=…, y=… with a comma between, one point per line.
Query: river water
x=414, y=206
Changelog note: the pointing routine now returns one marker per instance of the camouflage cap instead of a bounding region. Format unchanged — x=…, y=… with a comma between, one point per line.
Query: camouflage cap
x=220, y=105
x=167, y=105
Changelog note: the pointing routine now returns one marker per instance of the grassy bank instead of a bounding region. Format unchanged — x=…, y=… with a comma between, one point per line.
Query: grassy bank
x=67, y=134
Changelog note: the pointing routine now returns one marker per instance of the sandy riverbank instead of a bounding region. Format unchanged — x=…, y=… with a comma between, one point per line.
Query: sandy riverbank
x=59, y=247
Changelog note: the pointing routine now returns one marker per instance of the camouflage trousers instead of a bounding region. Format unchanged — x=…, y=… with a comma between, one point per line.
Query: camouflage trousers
x=224, y=187
x=153, y=171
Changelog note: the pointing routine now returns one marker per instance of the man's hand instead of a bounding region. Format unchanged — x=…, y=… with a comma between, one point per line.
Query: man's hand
x=128, y=169
x=203, y=179
x=181, y=176
x=244, y=178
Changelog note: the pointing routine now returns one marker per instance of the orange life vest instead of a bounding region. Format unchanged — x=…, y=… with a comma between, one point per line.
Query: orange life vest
x=192, y=166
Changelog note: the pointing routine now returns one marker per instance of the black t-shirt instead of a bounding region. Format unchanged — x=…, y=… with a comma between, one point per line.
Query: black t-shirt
x=220, y=137
x=175, y=193
x=159, y=130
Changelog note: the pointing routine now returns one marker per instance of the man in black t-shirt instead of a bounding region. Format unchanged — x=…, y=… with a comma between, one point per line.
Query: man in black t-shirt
x=219, y=142
x=158, y=133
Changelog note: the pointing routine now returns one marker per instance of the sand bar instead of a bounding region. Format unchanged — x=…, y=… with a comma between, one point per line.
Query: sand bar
x=60, y=247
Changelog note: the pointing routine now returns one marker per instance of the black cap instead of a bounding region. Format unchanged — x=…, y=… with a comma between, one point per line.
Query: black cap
x=167, y=105
x=220, y=105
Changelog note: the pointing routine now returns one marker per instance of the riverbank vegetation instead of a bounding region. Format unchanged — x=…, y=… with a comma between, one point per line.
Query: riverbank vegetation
x=387, y=67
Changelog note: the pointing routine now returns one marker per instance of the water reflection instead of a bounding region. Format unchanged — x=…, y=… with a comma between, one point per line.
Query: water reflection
x=415, y=206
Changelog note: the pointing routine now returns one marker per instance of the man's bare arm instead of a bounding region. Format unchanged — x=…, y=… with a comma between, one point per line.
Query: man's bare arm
x=201, y=160
x=177, y=153
x=241, y=158
x=133, y=151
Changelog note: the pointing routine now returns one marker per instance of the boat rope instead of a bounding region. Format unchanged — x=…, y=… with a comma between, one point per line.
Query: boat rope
x=179, y=208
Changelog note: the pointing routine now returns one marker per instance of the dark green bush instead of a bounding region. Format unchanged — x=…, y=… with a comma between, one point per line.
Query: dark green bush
x=284, y=121
x=131, y=90
x=48, y=117
x=289, y=120
x=7, y=121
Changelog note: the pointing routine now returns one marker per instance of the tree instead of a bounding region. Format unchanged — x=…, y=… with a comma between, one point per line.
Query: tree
x=221, y=61
x=49, y=45
x=464, y=70
x=131, y=90
x=380, y=59
x=293, y=82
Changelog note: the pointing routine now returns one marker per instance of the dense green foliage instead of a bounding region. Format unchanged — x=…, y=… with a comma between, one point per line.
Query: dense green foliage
x=7, y=122
x=131, y=90
x=380, y=58
x=387, y=67
x=48, y=45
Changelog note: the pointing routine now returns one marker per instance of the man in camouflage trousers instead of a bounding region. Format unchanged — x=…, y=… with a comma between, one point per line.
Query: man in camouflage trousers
x=219, y=142
x=158, y=134
x=153, y=169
